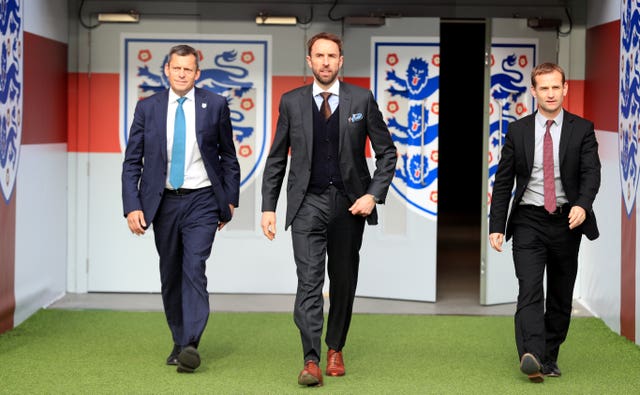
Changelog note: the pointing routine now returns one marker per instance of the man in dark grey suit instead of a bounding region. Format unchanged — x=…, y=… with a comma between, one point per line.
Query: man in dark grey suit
x=181, y=173
x=330, y=194
x=553, y=157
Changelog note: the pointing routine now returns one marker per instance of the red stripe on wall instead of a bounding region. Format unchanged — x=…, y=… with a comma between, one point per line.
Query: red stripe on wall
x=364, y=82
x=45, y=91
x=7, y=262
x=574, y=102
x=602, y=71
x=628, y=275
x=93, y=108
x=281, y=85
x=93, y=112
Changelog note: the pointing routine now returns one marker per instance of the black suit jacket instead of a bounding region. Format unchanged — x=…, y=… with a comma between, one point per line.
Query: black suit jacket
x=359, y=118
x=579, y=170
x=147, y=147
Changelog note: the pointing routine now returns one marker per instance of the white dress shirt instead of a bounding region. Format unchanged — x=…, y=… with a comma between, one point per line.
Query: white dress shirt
x=534, y=194
x=195, y=173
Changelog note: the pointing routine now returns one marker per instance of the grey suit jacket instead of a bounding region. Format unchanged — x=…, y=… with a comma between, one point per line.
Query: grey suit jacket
x=579, y=170
x=359, y=118
x=147, y=148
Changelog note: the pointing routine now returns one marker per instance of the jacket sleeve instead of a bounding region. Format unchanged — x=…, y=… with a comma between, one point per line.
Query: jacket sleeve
x=276, y=164
x=132, y=164
x=502, y=186
x=228, y=158
x=589, y=170
x=384, y=149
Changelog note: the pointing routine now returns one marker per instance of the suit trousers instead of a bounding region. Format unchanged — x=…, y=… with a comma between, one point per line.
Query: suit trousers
x=543, y=241
x=325, y=230
x=184, y=229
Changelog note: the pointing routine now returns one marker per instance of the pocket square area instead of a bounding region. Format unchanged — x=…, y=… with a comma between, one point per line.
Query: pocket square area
x=356, y=117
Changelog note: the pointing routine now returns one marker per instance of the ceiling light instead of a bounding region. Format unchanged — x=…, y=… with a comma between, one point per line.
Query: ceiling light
x=122, y=17
x=263, y=19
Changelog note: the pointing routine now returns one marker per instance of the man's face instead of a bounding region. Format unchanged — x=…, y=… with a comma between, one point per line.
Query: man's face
x=549, y=92
x=325, y=62
x=182, y=73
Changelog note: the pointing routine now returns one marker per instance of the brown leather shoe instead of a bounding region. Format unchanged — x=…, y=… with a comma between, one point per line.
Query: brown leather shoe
x=335, y=363
x=311, y=375
x=530, y=365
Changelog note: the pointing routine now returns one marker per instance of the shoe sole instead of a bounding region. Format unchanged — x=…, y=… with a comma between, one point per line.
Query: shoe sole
x=536, y=377
x=188, y=360
x=309, y=380
x=334, y=374
x=184, y=369
x=530, y=366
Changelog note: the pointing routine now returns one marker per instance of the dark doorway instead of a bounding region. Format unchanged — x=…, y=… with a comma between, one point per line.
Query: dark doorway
x=460, y=156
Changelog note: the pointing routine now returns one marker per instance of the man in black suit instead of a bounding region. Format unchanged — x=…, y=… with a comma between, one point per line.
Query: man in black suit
x=330, y=194
x=553, y=157
x=190, y=185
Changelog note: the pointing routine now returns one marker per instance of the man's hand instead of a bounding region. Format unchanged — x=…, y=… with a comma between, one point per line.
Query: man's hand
x=496, y=241
x=363, y=206
x=222, y=224
x=577, y=215
x=269, y=224
x=136, y=222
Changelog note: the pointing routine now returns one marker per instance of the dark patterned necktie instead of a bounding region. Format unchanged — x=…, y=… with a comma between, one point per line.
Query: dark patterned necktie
x=547, y=168
x=326, y=109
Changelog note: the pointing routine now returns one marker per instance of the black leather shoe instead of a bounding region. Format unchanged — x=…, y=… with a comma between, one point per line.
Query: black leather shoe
x=188, y=360
x=551, y=369
x=530, y=365
x=172, y=359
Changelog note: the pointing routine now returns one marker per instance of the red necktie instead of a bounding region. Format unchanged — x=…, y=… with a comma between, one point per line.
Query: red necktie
x=547, y=166
x=326, y=109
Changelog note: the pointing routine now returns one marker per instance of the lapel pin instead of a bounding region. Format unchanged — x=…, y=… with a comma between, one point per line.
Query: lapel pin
x=204, y=105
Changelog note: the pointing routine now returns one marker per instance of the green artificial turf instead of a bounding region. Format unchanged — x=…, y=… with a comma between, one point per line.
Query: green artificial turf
x=89, y=352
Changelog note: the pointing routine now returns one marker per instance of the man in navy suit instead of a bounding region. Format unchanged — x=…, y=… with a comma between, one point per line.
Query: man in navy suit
x=552, y=155
x=330, y=195
x=181, y=174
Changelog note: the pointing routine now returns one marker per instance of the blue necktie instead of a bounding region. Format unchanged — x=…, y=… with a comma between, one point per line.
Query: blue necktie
x=176, y=174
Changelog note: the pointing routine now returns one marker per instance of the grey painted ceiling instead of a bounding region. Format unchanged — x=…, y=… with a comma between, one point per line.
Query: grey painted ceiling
x=229, y=9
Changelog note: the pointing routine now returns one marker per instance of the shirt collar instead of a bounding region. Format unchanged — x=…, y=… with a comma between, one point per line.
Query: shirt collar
x=542, y=121
x=334, y=89
x=173, y=97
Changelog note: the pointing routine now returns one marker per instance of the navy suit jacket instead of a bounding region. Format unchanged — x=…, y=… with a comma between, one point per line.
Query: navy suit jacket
x=144, y=170
x=359, y=118
x=579, y=170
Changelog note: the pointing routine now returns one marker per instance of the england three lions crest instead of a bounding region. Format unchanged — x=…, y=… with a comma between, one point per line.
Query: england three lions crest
x=10, y=95
x=406, y=85
x=232, y=66
x=629, y=109
x=511, y=64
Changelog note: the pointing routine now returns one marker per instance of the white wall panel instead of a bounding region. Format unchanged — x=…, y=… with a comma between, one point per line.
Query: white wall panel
x=47, y=18
x=41, y=227
x=599, y=270
x=600, y=12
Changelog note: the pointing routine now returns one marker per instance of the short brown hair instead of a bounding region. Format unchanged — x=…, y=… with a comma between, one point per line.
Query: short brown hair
x=545, y=68
x=324, y=36
x=184, y=50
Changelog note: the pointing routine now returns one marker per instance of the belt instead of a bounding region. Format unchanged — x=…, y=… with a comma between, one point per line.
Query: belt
x=564, y=209
x=182, y=191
